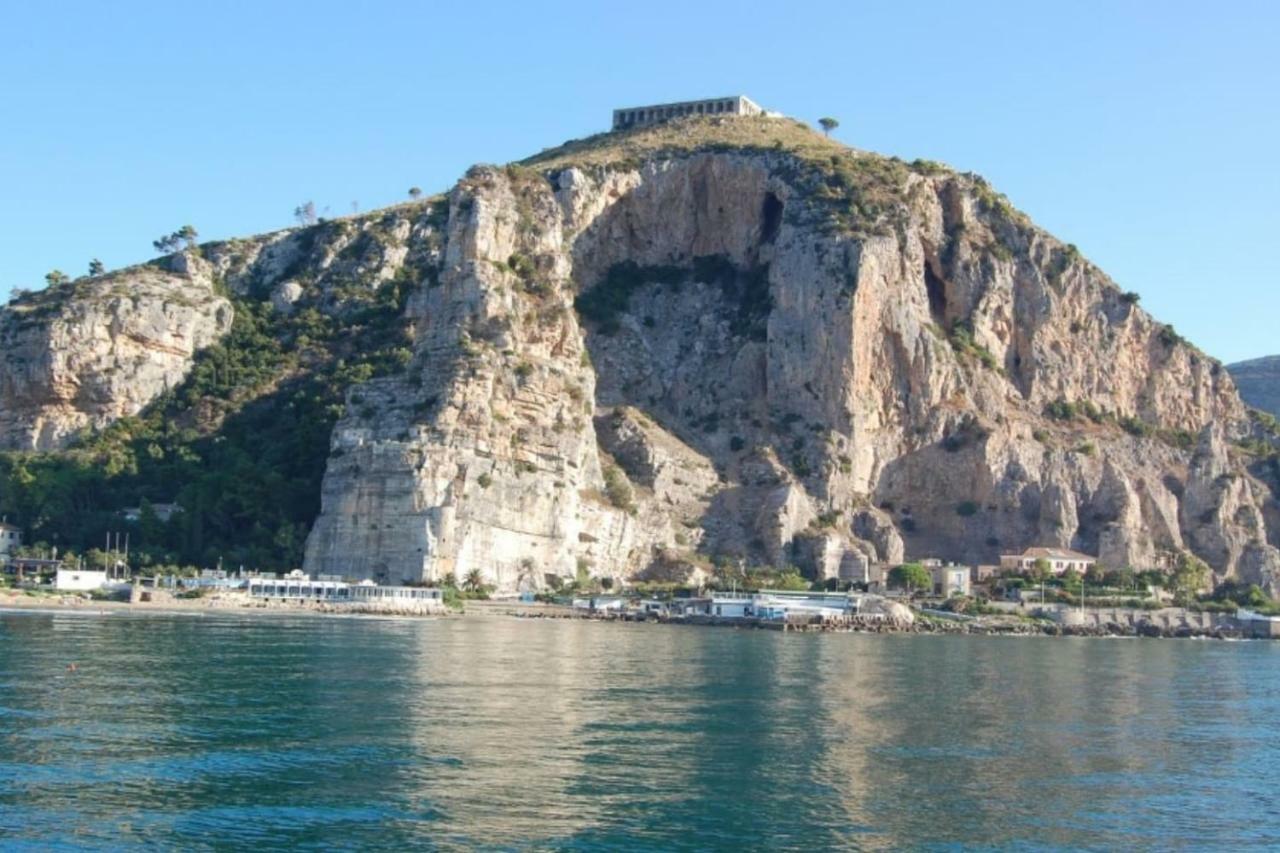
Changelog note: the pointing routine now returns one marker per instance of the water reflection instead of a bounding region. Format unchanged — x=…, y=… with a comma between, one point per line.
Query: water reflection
x=396, y=734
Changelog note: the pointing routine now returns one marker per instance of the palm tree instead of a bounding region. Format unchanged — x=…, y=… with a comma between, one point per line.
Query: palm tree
x=474, y=581
x=828, y=124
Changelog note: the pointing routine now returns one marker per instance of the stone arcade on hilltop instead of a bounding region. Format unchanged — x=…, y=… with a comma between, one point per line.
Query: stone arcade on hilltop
x=738, y=105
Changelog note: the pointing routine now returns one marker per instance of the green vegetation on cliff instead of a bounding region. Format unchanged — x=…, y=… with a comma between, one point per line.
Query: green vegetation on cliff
x=241, y=444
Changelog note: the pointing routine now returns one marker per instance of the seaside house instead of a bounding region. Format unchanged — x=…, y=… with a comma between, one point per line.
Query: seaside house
x=1059, y=559
x=949, y=580
x=10, y=539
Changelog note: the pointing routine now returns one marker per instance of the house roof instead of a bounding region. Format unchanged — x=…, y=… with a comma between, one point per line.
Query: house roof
x=1053, y=554
x=7, y=526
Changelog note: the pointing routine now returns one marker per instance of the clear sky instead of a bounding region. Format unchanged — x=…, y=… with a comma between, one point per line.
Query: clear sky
x=1144, y=132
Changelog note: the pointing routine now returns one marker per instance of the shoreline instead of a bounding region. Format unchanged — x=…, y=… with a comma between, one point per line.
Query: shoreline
x=192, y=607
x=1137, y=625
x=922, y=626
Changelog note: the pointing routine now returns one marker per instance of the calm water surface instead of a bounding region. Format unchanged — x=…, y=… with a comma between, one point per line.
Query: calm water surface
x=303, y=732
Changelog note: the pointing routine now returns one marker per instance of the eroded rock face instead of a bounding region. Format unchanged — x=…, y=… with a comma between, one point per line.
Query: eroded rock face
x=775, y=390
x=94, y=350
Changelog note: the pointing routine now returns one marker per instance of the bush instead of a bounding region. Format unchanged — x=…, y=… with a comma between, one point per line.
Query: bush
x=618, y=489
x=1060, y=410
x=962, y=341
x=966, y=509
x=611, y=297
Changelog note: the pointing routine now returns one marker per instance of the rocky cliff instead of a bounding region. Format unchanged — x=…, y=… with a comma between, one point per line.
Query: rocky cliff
x=731, y=338
x=1259, y=382
x=85, y=353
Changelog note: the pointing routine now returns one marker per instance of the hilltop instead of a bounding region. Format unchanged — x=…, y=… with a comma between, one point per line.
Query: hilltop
x=651, y=353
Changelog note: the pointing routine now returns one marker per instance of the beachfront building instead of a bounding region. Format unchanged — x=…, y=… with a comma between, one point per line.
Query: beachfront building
x=600, y=604
x=10, y=539
x=779, y=604
x=731, y=605
x=292, y=588
x=767, y=604
x=79, y=580
x=1059, y=559
x=737, y=105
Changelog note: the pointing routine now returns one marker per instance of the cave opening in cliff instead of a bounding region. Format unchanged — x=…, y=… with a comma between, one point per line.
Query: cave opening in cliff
x=770, y=218
x=937, y=291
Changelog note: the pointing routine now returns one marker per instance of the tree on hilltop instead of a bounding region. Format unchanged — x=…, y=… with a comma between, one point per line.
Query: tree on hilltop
x=96, y=267
x=305, y=213
x=181, y=240
x=53, y=278
x=828, y=124
x=415, y=193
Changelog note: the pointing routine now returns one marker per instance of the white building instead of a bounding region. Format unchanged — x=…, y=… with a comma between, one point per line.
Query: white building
x=730, y=606
x=779, y=604
x=1059, y=559
x=296, y=587
x=10, y=539
x=79, y=580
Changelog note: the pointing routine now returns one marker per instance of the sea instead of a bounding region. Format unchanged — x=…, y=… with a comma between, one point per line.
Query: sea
x=217, y=731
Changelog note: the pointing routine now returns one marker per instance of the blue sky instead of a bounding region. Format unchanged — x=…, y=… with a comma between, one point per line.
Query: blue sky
x=1144, y=132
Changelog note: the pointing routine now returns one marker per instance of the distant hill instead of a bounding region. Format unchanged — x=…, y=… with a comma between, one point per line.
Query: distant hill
x=1259, y=382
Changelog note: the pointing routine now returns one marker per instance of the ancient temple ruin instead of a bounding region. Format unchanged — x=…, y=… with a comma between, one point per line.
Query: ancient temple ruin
x=739, y=105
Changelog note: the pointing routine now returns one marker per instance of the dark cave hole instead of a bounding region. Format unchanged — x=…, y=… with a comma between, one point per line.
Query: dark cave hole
x=771, y=218
x=937, y=293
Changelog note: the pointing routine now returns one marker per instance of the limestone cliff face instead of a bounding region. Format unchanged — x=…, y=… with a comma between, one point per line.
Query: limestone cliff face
x=779, y=383
x=484, y=456
x=86, y=353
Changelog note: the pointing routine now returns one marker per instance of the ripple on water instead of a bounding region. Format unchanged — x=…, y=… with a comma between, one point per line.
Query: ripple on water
x=400, y=734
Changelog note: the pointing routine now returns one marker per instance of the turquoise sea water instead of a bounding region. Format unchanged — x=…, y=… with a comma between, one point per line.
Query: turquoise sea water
x=301, y=732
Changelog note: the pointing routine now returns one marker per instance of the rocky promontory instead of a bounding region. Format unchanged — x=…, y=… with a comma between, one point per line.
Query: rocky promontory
x=714, y=339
